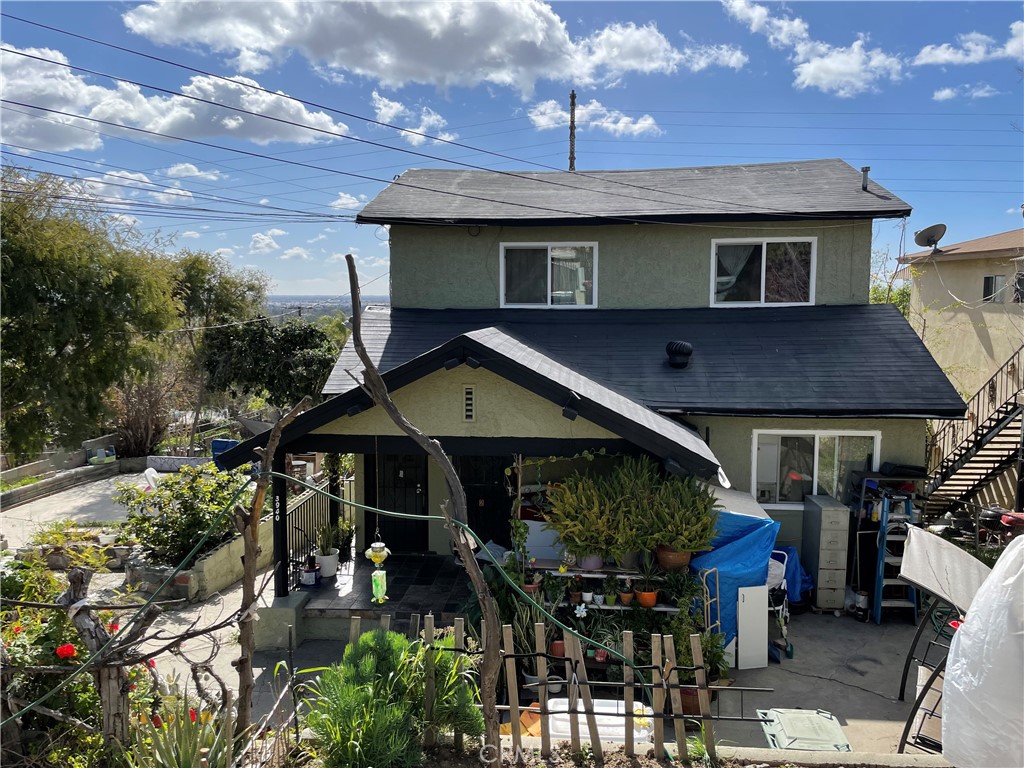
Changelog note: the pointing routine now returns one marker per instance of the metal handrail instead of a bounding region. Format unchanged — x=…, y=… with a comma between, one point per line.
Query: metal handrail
x=989, y=401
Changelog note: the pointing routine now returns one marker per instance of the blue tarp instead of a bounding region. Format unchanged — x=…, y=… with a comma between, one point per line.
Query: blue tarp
x=740, y=552
x=798, y=581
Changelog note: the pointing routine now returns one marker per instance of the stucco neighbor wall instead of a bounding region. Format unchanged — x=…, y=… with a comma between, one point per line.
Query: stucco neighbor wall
x=968, y=340
x=903, y=440
x=647, y=266
x=503, y=409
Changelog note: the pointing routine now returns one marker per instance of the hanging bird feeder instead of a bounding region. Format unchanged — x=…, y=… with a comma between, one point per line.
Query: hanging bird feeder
x=377, y=554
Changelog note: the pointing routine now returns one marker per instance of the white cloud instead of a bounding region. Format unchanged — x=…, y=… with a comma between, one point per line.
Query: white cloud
x=189, y=171
x=346, y=201
x=511, y=43
x=55, y=87
x=1014, y=211
x=976, y=91
x=225, y=252
x=190, y=234
x=701, y=57
x=296, y=253
x=592, y=115
x=134, y=185
x=335, y=257
x=262, y=242
x=974, y=48
x=318, y=238
x=844, y=71
x=275, y=232
x=430, y=122
x=172, y=196
x=264, y=201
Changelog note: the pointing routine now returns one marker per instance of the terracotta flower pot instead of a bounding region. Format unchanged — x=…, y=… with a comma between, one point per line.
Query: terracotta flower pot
x=672, y=559
x=600, y=655
x=626, y=598
x=575, y=597
x=531, y=589
x=557, y=648
x=646, y=599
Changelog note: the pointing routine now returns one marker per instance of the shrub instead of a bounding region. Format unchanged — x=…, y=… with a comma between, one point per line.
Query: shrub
x=168, y=520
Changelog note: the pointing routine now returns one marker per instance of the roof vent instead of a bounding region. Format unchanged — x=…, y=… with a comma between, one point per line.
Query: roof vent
x=679, y=353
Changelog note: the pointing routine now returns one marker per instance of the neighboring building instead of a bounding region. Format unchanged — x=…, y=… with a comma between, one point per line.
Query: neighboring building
x=532, y=313
x=965, y=303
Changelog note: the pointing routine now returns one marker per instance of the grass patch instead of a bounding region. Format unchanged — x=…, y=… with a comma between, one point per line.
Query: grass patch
x=4, y=487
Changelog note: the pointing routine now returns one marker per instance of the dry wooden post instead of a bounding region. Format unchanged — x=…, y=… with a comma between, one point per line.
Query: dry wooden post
x=354, y=626
x=570, y=686
x=627, y=679
x=229, y=728
x=678, y=723
x=204, y=757
x=460, y=647
x=588, y=702
x=430, y=734
x=513, y=691
x=540, y=642
x=659, y=698
x=385, y=622
x=414, y=626
x=707, y=725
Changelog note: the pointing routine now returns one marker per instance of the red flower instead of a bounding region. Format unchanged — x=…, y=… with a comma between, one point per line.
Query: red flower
x=192, y=715
x=17, y=628
x=131, y=687
x=157, y=722
x=66, y=651
x=151, y=663
x=112, y=627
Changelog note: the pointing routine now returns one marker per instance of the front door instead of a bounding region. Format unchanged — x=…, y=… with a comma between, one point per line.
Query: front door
x=401, y=486
x=487, y=499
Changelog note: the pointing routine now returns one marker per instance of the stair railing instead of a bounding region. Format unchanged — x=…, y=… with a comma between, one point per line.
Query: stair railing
x=1003, y=387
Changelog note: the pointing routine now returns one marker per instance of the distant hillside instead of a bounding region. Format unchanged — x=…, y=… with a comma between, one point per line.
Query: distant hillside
x=312, y=307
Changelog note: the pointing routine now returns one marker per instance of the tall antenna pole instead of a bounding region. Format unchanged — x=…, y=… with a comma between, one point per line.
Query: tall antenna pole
x=572, y=130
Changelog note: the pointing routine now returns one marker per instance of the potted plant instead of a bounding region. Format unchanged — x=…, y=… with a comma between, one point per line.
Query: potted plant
x=327, y=553
x=575, y=587
x=106, y=538
x=647, y=583
x=554, y=588
x=532, y=578
x=588, y=591
x=611, y=586
x=345, y=534
x=580, y=513
x=682, y=516
x=631, y=484
x=626, y=592
x=683, y=589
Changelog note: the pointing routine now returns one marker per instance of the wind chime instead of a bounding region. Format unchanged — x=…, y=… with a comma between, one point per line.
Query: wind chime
x=377, y=554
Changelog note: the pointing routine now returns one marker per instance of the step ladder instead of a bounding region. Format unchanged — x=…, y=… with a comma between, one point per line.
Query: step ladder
x=890, y=590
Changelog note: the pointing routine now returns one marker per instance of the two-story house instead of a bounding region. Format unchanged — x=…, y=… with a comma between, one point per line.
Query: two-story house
x=716, y=318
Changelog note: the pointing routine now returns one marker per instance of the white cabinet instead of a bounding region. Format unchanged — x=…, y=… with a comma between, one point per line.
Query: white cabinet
x=752, y=627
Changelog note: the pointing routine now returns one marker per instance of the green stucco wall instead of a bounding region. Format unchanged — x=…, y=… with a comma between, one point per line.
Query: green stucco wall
x=435, y=405
x=903, y=440
x=647, y=266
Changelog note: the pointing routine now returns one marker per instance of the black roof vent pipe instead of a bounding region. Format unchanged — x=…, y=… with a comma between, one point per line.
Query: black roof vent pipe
x=679, y=353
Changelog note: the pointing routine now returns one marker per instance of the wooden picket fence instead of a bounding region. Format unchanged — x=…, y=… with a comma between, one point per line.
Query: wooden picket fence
x=661, y=681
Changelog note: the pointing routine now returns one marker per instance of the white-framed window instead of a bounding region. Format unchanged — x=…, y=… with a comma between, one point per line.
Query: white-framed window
x=993, y=289
x=752, y=272
x=789, y=464
x=542, y=275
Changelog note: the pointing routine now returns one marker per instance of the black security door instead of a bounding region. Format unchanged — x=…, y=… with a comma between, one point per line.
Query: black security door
x=401, y=486
x=487, y=499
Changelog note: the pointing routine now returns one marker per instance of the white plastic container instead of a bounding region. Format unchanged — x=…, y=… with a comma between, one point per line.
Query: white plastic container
x=611, y=723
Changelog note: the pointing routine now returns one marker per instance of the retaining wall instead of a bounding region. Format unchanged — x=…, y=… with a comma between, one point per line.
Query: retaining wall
x=59, y=482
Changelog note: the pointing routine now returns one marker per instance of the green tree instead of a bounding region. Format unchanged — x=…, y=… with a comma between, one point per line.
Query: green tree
x=334, y=325
x=285, y=361
x=80, y=290
x=886, y=286
x=210, y=293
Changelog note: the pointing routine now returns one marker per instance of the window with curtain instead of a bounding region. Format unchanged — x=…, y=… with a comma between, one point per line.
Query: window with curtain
x=788, y=467
x=549, y=275
x=775, y=271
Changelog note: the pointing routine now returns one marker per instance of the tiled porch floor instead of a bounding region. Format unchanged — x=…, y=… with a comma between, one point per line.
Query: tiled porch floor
x=416, y=584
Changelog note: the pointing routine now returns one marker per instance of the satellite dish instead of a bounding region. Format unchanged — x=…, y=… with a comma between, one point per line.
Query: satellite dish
x=929, y=236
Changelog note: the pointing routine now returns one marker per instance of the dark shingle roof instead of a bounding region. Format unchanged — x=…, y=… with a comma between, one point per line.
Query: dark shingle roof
x=829, y=189
x=859, y=360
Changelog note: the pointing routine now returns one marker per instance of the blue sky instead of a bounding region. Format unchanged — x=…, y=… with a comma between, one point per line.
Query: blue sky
x=927, y=94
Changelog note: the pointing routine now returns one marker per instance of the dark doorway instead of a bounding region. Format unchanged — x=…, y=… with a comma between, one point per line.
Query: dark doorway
x=397, y=484
x=487, y=499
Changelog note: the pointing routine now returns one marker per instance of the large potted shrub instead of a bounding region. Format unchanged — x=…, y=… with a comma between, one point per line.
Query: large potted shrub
x=326, y=552
x=580, y=513
x=682, y=519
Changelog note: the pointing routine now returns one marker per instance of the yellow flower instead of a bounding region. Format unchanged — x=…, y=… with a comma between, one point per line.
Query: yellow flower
x=563, y=568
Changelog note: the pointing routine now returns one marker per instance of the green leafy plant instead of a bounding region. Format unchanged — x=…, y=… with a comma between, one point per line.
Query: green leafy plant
x=682, y=515
x=326, y=536
x=579, y=513
x=650, y=577
x=175, y=738
x=684, y=589
x=166, y=519
x=553, y=587
x=611, y=584
x=5, y=486
x=345, y=533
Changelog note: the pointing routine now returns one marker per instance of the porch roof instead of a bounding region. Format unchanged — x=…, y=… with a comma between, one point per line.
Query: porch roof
x=504, y=354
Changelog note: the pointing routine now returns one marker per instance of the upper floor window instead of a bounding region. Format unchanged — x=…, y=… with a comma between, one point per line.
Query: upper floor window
x=993, y=288
x=748, y=272
x=549, y=275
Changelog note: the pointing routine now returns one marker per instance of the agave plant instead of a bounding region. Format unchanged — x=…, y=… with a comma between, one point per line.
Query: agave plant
x=175, y=738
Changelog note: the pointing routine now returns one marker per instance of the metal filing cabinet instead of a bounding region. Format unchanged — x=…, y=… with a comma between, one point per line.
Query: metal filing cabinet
x=826, y=542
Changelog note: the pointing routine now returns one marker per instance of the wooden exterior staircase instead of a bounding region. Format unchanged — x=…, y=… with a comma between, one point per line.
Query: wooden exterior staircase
x=965, y=455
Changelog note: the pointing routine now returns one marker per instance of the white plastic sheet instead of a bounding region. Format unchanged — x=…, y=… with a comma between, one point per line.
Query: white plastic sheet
x=983, y=691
